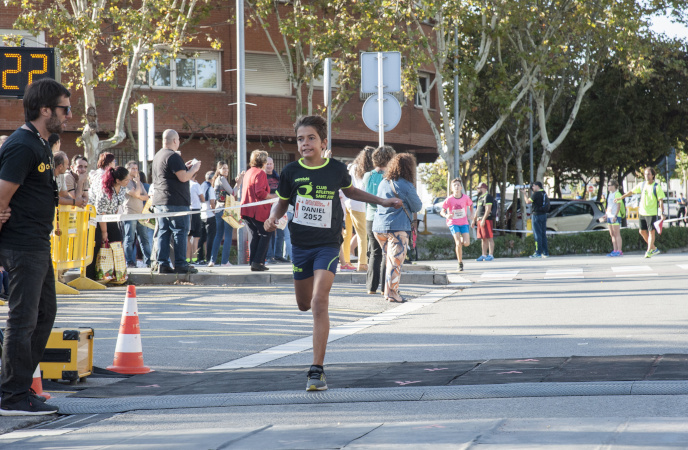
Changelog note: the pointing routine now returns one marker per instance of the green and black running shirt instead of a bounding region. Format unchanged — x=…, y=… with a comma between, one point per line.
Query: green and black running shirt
x=314, y=193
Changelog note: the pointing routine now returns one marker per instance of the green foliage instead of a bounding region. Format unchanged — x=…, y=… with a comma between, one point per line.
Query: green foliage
x=434, y=176
x=598, y=242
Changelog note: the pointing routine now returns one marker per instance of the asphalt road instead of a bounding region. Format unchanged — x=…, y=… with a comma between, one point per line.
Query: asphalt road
x=508, y=308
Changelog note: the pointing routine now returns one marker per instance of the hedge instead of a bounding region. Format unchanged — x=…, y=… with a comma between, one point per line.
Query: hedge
x=598, y=242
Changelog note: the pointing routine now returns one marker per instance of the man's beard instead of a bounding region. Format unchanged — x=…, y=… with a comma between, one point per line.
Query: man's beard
x=54, y=125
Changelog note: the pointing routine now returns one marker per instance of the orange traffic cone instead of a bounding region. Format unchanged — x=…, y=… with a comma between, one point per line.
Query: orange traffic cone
x=37, y=384
x=128, y=352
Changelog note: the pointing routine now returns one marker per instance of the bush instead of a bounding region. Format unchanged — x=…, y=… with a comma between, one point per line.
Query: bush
x=597, y=242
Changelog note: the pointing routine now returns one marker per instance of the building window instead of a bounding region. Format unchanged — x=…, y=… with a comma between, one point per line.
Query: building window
x=265, y=75
x=422, y=94
x=200, y=72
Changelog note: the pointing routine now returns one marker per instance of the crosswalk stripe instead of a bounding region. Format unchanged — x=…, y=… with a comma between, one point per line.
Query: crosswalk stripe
x=683, y=266
x=500, y=274
x=631, y=269
x=552, y=274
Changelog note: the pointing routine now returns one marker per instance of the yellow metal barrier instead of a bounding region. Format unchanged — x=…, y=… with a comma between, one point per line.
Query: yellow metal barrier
x=632, y=212
x=72, y=246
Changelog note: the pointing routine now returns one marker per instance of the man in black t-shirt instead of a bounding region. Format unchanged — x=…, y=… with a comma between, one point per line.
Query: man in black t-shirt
x=171, y=194
x=539, y=212
x=483, y=221
x=29, y=190
x=311, y=185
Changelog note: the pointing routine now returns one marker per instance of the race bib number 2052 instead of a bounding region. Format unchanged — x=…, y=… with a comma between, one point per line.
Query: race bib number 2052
x=313, y=213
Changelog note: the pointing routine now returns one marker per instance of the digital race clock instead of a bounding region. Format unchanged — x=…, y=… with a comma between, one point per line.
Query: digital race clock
x=20, y=66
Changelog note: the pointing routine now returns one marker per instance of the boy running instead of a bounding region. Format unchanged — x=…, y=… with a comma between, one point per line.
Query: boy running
x=458, y=210
x=311, y=185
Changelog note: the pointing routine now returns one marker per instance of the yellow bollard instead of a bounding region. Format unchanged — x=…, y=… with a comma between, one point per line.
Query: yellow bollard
x=425, y=231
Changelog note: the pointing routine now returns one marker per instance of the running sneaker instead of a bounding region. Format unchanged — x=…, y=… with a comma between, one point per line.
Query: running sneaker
x=316, y=380
x=655, y=252
x=347, y=268
x=535, y=255
x=648, y=254
x=613, y=253
x=211, y=264
x=489, y=258
x=545, y=256
x=460, y=267
x=29, y=406
x=619, y=253
x=480, y=258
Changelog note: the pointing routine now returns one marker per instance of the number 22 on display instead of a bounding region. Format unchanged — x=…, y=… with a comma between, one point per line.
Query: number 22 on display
x=18, y=68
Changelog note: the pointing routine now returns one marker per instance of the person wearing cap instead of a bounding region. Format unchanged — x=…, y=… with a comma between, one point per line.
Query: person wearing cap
x=540, y=209
x=483, y=223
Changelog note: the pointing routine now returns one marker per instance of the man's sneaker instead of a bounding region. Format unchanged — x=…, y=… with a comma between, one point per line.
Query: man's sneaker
x=186, y=269
x=535, y=255
x=648, y=254
x=211, y=264
x=33, y=394
x=480, y=258
x=316, y=380
x=489, y=258
x=30, y=406
x=655, y=252
x=545, y=256
x=460, y=267
x=163, y=268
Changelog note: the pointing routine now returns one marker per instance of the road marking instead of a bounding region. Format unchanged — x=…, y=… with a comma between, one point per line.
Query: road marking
x=499, y=274
x=683, y=266
x=563, y=273
x=341, y=331
x=634, y=271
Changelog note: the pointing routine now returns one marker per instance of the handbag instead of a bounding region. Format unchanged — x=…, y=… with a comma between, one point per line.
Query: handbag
x=105, y=264
x=232, y=216
x=149, y=223
x=414, y=231
x=120, y=263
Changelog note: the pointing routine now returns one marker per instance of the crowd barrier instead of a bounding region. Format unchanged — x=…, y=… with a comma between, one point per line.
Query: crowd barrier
x=72, y=246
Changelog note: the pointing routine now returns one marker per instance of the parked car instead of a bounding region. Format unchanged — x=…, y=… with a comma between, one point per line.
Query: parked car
x=554, y=203
x=576, y=215
x=436, y=206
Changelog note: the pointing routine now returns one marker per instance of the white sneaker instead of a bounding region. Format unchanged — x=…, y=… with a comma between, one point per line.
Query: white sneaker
x=211, y=264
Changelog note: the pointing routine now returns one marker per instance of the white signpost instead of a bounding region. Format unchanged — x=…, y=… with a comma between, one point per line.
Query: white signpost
x=146, y=135
x=381, y=74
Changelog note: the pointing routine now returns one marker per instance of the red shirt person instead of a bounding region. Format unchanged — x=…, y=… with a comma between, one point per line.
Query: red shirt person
x=256, y=189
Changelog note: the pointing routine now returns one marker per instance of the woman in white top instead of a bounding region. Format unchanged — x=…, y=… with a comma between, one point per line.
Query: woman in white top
x=356, y=212
x=222, y=228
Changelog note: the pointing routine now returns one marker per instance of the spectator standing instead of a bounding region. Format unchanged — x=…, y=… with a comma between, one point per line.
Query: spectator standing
x=614, y=212
x=223, y=231
x=458, y=210
x=371, y=180
x=134, y=201
x=392, y=226
x=171, y=180
x=256, y=189
x=651, y=208
x=205, y=245
x=539, y=212
x=76, y=180
x=196, y=229
x=108, y=201
x=28, y=197
x=484, y=222
x=356, y=211
x=5, y=283
x=682, y=204
x=106, y=160
x=276, y=245
x=61, y=166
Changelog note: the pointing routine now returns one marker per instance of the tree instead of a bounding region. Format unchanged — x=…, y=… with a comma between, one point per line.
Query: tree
x=99, y=39
x=434, y=177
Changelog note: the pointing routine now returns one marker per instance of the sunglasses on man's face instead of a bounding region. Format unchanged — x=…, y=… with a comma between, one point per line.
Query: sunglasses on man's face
x=67, y=109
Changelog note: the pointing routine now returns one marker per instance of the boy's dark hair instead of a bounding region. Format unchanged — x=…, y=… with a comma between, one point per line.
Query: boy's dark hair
x=456, y=179
x=317, y=122
x=53, y=139
x=45, y=92
x=652, y=171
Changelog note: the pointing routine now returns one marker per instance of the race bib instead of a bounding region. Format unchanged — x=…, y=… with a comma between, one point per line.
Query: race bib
x=459, y=213
x=313, y=213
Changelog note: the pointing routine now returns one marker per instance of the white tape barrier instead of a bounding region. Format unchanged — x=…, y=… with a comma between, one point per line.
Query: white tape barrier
x=126, y=217
x=575, y=232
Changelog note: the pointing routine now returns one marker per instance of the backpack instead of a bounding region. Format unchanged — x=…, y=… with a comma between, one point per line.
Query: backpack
x=545, y=202
x=654, y=190
x=622, y=205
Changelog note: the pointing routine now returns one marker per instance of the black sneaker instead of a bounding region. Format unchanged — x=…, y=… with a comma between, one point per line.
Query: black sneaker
x=27, y=407
x=165, y=269
x=258, y=267
x=33, y=394
x=316, y=380
x=460, y=267
x=186, y=269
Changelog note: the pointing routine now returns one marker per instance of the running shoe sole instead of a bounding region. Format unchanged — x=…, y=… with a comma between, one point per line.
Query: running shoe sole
x=317, y=383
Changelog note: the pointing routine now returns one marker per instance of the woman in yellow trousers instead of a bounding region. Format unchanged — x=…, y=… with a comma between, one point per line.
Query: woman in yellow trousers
x=355, y=216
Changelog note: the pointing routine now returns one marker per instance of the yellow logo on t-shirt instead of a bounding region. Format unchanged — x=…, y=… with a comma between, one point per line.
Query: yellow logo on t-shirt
x=41, y=167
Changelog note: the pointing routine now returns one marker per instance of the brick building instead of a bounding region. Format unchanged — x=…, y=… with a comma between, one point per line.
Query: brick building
x=192, y=95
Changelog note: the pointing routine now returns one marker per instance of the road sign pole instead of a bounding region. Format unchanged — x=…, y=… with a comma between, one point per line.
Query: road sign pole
x=381, y=100
x=328, y=100
x=241, y=117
